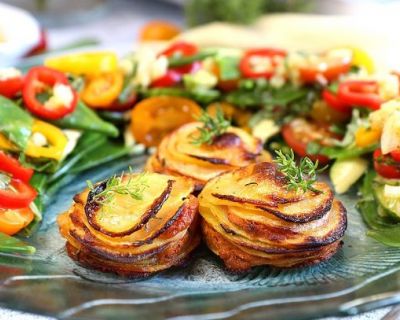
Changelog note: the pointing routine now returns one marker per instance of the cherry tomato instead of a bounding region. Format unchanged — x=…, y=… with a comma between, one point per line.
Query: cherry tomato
x=300, y=132
x=334, y=102
x=18, y=195
x=396, y=155
x=327, y=65
x=14, y=220
x=159, y=30
x=12, y=166
x=386, y=166
x=260, y=63
x=155, y=117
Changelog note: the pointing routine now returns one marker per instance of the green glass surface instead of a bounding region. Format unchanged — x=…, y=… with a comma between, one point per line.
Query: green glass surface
x=363, y=275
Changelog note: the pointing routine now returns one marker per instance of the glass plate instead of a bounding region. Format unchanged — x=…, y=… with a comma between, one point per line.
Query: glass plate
x=363, y=275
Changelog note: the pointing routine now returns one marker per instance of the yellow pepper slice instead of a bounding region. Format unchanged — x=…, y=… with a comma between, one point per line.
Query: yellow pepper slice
x=55, y=144
x=88, y=64
x=102, y=91
x=361, y=58
x=367, y=136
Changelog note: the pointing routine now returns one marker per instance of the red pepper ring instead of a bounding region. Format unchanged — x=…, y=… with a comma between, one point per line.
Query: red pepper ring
x=18, y=195
x=42, y=79
x=246, y=64
x=360, y=93
x=181, y=48
x=334, y=102
x=11, y=165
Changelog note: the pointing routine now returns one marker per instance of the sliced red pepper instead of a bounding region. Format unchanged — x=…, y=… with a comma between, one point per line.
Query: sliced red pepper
x=12, y=166
x=334, y=102
x=43, y=79
x=11, y=86
x=174, y=75
x=168, y=80
x=18, y=195
x=386, y=166
x=248, y=62
x=360, y=93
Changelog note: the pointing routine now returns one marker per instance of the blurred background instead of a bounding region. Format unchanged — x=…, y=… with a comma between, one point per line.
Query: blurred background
x=31, y=27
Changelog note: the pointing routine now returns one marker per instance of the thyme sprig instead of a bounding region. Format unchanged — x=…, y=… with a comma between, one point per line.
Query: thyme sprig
x=300, y=177
x=134, y=187
x=212, y=127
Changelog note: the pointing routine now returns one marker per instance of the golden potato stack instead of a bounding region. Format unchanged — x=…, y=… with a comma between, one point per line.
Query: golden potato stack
x=250, y=218
x=133, y=237
x=177, y=154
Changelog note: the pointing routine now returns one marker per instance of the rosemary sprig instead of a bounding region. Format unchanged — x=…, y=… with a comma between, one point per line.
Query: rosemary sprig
x=299, y=177
x=133, y=187
x=212, y=127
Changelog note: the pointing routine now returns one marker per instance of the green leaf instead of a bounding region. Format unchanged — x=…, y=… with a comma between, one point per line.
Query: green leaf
x=344, y=153
x=84, y=118
x=15, y=123
x=388, y=236
x=10, y=244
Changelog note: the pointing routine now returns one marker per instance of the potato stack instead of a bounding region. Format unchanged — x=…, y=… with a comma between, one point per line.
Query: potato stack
x=250, y=218
x=179, y=155
x=135, y=231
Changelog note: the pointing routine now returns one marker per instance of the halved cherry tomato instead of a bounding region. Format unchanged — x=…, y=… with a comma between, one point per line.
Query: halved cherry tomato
x=9, y=87
x=334, y=102
x=327, y=65
x=17, y=195
x=300, y=132
x=63, y=98
x=360, y=93
x=155, y=117
x=386, y=166
x=14, y=220
x=158, y=30
x=12, y=166
x=321, y=112
x=260, y=63
x=101, y=91
x=396, y=155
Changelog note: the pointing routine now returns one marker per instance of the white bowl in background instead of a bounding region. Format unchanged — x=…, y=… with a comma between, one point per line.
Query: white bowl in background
x=19, y=33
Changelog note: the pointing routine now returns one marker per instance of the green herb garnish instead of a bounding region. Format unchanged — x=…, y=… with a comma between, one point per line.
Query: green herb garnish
x=212, y=127
x=133, y=187
x=300, y=177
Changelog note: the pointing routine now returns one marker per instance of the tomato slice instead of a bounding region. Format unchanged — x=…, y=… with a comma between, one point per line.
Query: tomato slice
x=11, y=86
x=101, y=91
x=17, y=195
x=14, y=220
x=360, y=93
x=300, y=132
x=155, y=117
x=386, y=166
x=12, y=166
x=158, y=30
x=334, y=102
x=41, y=80
x=260, y=63
x=327, y=65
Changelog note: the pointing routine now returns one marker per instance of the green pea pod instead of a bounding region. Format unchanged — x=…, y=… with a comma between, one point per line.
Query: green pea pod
x=15, y=123
x=83, y=118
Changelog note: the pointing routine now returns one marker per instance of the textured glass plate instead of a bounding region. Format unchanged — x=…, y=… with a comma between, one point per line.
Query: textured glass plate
x=361, y=276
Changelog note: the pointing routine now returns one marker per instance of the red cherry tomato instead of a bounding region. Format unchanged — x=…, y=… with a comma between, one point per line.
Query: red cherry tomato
x=11, y=86
x=386, y=166
x=396, y=155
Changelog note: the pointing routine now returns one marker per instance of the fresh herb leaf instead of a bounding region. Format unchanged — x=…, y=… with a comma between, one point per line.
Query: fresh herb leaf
x=212, y=127
x=299, y=177
x=133, y=187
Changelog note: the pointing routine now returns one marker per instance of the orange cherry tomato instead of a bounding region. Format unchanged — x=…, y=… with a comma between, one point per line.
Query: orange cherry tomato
x=101, y=91
x=155, y=117
x=158, y=30
x=12, y=221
